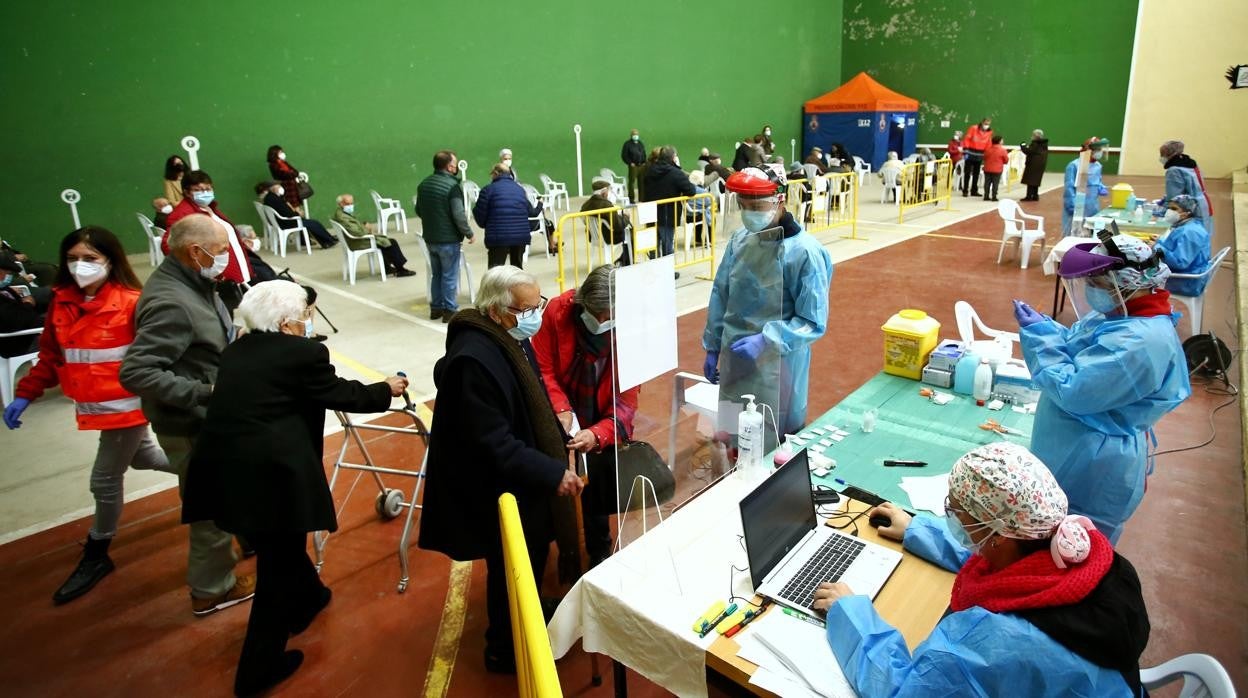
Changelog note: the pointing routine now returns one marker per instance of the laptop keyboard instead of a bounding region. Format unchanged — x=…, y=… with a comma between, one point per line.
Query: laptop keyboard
x=827, y=565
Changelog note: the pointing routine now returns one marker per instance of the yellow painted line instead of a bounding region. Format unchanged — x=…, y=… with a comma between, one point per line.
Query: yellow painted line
x=967, y=237
x=450, y=630
x=422, y=410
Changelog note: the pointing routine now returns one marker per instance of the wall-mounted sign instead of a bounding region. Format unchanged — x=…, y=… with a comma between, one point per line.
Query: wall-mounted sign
x=1238, y=75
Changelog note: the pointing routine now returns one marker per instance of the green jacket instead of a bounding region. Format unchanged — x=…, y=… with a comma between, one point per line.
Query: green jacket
x=357, y=228
x=440, y=205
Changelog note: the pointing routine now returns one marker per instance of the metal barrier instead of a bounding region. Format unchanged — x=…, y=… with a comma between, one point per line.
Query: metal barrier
x=925, y=183
x=826, y=202
x=535, y=664
x=584, y=246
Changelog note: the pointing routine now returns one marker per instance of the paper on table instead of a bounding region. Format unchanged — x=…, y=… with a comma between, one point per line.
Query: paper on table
x=927, y=493
x=781, y=684
x=803, y=651
x=645, y=320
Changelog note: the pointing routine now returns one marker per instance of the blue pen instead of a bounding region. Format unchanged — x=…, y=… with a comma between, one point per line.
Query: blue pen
x=839, y=481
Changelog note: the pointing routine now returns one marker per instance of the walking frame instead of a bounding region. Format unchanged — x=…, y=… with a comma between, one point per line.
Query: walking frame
x=389, y=502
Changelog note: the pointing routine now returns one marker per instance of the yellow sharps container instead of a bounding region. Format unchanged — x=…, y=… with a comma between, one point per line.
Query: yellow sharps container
x=1119, y=194
x=909, y=337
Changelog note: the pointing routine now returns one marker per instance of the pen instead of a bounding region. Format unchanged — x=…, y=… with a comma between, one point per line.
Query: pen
x=732, y=608
x=839, y=481
x=749, y=618
x=889, y=462
x=802, y=616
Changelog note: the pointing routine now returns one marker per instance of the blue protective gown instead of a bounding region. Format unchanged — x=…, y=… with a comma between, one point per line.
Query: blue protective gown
x=1187, y=252
x=790, y=313
x=1183, y=180
x=1104, y=383
x=970, y=652
x=1095, y=190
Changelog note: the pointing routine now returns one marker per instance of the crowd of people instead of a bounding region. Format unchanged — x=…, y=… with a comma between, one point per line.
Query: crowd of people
x=527, y=384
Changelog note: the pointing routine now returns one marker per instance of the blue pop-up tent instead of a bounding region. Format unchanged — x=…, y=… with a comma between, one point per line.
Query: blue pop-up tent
x=866, y=117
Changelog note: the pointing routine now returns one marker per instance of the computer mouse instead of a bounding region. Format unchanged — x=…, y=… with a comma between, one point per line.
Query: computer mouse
x=880, y=520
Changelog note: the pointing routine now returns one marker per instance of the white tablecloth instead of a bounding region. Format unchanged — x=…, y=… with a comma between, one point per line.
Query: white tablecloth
x=639, y=605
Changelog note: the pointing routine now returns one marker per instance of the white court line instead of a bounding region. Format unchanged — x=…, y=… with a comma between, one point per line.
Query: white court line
x=427, y=324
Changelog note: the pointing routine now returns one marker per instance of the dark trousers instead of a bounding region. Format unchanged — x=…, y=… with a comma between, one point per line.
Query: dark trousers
x=498, y=637
x=992, y=180
x=287, y=588
x=393, y=256
x=970, y=173
x=1033, y=193
x=634, y=183
x=498, y=256
x=318, y=232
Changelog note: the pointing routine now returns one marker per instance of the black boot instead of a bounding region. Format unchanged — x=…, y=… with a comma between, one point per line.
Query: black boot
x=94, y=566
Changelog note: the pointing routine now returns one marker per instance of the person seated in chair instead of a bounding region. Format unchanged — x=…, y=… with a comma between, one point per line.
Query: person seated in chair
x=1186, y=247
x=698, y=210
x=162, y=208
x=615, y=227
x=260, y=269
x=17, y=310
x=816, y=158
x=715, y=165
x=272, y=194
x=37, y=276
x=391, y=253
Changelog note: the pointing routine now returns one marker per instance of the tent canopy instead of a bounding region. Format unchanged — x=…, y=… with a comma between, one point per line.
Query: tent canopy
x=861, y=93
x=866, y=117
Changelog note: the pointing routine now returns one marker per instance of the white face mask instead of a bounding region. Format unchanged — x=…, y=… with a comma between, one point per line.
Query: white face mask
x=1172, y=216
x=307, y=328
x=254, y=244
x=348, y=209
x=593, y=325
x=219, y=263
x=767, y=132
x=166, y=209
x=281, y=155
x=1163, y=160
x=87, y=273
x=507, y=162
x=1096, y=155
x=280, y=191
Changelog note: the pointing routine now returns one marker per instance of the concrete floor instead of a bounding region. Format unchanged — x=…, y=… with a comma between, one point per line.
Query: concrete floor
x=1187, y=540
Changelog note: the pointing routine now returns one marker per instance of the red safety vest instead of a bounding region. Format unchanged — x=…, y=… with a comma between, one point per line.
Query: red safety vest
x=82, y=345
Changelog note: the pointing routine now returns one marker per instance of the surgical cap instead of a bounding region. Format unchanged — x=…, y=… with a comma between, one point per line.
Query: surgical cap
x=1136, y=250
x=1005, y=487
x=1171, y=148
x=1186, y=202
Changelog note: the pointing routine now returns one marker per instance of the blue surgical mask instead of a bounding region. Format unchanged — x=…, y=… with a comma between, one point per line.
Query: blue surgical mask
x=636, y=138
x=961, y=535
x=203, y=198
x=755, y=221
x=1096, y=155
x=307, y=328
x=8, y=279
x=1101, y=300
x=526, y=327
x=592, y=324
x=348, y=209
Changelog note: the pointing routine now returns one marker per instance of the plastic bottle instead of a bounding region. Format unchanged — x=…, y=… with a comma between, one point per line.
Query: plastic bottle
x=983, y=381
x=964, y=373
x=785, y=452
x=1140, y=215
x=1131, y=202
x=750, y=438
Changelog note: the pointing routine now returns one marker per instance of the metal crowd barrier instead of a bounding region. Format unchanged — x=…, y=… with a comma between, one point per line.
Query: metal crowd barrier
x=826, y=202
x=924, y=183
x=535, y=664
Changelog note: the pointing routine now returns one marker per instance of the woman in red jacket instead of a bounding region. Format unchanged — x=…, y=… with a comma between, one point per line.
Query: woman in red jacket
x=285, y=173
x=89, y=326
x=573, y=349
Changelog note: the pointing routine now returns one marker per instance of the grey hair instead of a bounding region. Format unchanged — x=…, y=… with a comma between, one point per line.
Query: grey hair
x=1038, y=133
x=195, y=229
x=504, y=151
x=269, y=305
x=499, y=169
x=343, y=197
x=496, y=287
x=595, y=293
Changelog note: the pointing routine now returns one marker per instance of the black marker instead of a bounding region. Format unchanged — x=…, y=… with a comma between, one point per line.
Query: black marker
x=889, y=462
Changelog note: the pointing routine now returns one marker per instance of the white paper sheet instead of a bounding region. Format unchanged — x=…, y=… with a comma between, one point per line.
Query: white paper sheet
x=802, y=652
x=645, y=320
x=927, y=493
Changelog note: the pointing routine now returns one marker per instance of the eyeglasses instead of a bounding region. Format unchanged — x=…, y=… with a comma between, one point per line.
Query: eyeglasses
x=950, y=509
x=526, y=313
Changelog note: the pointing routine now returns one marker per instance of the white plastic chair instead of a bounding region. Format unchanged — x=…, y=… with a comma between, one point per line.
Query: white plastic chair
x=608, y=174
x=958, y=168
x=351, y=258
x=890, y=185
x=270, y=237
x=10, y=365
x=1001, y=345
x=472, y=192
x=862, y=168
x=1196, y=304
x=154, y=236
x=464, y=267
x=1202, y=676
x=812, y=172
x=645, y=229
x=1016, y=231
x=282, y=235
x=555, y=191
x=387, y=209
x=530, y=192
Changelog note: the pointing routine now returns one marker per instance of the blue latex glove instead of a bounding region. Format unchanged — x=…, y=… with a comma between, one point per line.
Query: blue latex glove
x=13, y=413
x=1026, y=315
x=710, y=367
x=750, y=347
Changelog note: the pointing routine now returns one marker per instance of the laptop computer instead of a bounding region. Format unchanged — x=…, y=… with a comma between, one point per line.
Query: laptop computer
x=790, y=553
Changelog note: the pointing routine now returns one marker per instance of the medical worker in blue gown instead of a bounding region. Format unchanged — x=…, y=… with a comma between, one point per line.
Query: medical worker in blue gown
x=1105, y=381
x=1186, y=246
x=1095, y=188
x=768, y=304
x=1042, y=605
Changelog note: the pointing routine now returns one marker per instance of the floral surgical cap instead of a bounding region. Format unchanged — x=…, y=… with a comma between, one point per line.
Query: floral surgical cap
x=1187, y=203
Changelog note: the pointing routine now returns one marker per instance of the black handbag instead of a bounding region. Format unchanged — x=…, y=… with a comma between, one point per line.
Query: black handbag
x=636, y=458
x=305, y=190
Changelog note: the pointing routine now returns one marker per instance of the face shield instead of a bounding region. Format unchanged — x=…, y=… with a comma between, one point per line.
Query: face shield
x=1090, y=281
x=759, y=212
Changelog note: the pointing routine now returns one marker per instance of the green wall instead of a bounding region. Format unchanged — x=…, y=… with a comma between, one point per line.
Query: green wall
x=362, y=94
x=1058, y=65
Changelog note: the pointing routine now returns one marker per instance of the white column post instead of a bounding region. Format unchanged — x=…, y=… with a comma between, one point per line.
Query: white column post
x=72, y=197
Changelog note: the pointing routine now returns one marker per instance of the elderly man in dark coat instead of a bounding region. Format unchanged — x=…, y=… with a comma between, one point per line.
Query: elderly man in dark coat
x=494, y=431
x=1037, y=152
x=256, y=469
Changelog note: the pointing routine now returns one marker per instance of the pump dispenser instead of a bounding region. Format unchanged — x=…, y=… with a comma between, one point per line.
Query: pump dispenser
x=786, y=451
x=750, y=438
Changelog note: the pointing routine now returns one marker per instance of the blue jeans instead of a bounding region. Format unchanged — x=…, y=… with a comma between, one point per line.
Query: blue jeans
x=444, y=281
x=667, y=238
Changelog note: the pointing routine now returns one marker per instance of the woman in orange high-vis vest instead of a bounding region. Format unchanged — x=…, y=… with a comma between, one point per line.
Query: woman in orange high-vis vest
x=89, y=326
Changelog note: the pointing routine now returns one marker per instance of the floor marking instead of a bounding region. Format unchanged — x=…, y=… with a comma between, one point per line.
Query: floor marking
x=435, y=325
x=450, y=630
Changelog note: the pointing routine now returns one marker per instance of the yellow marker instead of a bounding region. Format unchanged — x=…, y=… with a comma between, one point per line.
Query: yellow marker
x=711, y=614
x=730, y=621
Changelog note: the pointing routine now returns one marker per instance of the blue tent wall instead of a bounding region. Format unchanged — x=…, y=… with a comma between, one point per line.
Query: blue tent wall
x=864, y=134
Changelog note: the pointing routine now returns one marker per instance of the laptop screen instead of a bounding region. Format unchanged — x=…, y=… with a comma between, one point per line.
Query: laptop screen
x=776, y=515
